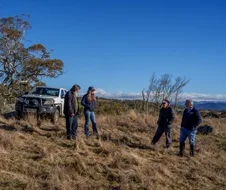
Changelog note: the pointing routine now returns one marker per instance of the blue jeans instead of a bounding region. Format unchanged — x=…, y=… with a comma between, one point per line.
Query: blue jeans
x=71, y=126
x=184, y=133
x=90, y=115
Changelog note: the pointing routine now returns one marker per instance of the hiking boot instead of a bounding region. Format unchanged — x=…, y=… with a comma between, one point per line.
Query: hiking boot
x=153, y=145
x=97, y=135
x=167, y=147
x=181, y=152
x=88, y=135
x=73, y=138
x=192, y=147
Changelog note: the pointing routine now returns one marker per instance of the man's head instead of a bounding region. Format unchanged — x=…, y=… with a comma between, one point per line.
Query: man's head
x=165, y=103
x=75, y=88
x=189, y=104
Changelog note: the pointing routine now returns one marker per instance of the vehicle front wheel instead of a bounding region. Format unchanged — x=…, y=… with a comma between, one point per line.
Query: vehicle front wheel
x=19, y=115
x=55, y=117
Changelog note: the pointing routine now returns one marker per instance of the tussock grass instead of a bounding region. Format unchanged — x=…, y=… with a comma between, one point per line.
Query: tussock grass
x=36, y=156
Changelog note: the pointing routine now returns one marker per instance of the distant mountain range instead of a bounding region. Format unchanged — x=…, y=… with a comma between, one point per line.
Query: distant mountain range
x=201, y=101
x=211, y=105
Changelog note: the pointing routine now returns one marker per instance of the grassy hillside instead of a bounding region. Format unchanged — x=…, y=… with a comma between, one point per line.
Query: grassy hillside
x=34, y=157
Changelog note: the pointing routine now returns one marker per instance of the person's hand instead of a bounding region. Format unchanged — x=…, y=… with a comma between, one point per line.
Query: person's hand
x=72, y=114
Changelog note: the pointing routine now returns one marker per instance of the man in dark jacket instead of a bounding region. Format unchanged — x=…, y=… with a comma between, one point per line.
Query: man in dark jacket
x=71, y=111
x=190, y=122
x=166, y=118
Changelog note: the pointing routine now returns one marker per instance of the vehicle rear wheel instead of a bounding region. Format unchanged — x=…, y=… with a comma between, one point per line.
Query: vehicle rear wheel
x=55, y=117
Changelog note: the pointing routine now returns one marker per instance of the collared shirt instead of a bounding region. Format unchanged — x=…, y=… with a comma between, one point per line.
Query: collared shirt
x=188, y=110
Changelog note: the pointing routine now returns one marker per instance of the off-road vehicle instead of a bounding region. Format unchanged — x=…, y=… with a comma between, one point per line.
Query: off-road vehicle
x=42, y=101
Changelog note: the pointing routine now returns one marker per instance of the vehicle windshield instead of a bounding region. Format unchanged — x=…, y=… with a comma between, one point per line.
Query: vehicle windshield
x=46, y=91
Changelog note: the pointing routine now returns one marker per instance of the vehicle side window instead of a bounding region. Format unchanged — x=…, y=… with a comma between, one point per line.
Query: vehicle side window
x=62, y=93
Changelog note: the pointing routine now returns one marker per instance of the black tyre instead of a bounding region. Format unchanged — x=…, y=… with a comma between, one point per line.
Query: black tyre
x=19, y=115
x=55, y=117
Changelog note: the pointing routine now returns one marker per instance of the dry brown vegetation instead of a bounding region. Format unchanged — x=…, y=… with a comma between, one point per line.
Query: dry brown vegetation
x=34, y=157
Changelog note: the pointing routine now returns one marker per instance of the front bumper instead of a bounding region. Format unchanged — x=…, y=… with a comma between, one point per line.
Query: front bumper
x=40, y=110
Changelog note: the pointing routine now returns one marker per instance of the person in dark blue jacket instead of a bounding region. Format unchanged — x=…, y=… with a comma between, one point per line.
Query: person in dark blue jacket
x=165, y=120
x=190, y=122
x=89, y=103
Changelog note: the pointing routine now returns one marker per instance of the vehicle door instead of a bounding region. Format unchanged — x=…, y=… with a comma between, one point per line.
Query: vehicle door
x=62, y=96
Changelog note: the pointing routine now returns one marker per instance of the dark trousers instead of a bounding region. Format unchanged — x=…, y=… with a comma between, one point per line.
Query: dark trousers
x=71, y=126
x=160, y=131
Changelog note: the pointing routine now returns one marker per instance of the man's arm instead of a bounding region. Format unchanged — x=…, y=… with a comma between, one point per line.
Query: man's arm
x=172, y=116
x=70, y=109
x=198, y=118
x=183, y=117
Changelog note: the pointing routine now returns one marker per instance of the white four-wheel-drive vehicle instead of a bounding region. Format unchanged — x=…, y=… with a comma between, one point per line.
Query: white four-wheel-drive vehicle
x=42, y=101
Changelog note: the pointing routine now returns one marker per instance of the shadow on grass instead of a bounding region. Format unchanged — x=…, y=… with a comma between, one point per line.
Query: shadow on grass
x=23, y=128
x=68, y=144
x=10, y=115
x=55, y=129
x=125, y=141
x=8, y=127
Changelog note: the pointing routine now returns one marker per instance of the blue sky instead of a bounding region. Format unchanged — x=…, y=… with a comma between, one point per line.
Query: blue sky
x=116, y=45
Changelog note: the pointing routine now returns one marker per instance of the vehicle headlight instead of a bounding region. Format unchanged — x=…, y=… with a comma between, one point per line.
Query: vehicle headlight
x=49, y=101
x=20, y=99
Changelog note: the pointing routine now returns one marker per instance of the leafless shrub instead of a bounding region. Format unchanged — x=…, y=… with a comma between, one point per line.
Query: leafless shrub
x=163, y=88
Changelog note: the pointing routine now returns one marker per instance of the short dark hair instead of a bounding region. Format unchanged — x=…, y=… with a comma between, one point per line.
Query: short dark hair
x=75, y=87
x=190, y=101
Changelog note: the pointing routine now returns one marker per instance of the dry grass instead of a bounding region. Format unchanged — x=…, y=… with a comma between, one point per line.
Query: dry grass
x=33, y=157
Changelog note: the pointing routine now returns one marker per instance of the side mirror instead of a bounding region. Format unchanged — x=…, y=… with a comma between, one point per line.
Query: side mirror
x=62, y=96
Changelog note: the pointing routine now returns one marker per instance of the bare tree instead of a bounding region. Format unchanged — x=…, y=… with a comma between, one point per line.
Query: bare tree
x=166, y=86
x=146, y=94
x=161, y=88
x=178, y=86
